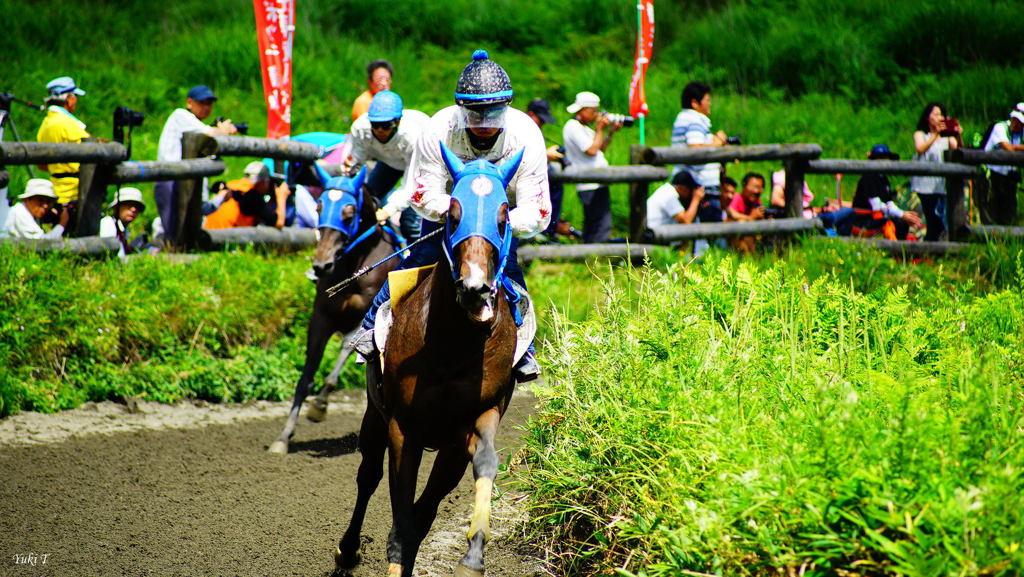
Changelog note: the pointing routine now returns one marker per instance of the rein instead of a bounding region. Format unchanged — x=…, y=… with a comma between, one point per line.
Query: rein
x=331, y=291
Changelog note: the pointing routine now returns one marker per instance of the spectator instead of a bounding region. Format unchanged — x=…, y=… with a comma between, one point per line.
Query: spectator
x=1001, y=205
x=726, y=192
x=675, y=202
x=692, y=128
x=255, y=199
x=875, y=210
x=23, y=218
x=219, y=192
x=747, y=206
x=540, y=112
x=124, y=209
x=61, y=125
x=584, y=148
x=931, y=139
x=387, y=133
x=378, y=77
x=198, y=107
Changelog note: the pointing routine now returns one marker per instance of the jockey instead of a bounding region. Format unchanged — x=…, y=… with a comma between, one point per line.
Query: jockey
x=388, y=133
x=479, y=125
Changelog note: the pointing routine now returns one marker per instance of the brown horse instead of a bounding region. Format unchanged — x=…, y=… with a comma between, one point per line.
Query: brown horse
x=350, y=239
x=446, y=378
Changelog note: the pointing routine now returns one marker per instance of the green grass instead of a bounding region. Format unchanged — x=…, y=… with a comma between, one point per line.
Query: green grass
x=745, y=418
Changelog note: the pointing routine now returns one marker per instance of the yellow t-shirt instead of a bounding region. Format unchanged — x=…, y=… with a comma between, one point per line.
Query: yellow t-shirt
x=361, y=105
x=61, y=126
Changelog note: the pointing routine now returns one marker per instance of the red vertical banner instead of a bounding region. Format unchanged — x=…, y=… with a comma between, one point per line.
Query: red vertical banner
x=644, y=47
x=275, y=32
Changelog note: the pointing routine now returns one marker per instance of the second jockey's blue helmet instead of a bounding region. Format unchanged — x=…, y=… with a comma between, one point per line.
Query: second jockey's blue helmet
x=385, y=107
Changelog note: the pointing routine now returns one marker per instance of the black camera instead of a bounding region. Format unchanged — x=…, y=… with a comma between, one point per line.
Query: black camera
x=241, y=127
x=733, y=140
x=125, y=117
x=623, y=119
x=774, y=212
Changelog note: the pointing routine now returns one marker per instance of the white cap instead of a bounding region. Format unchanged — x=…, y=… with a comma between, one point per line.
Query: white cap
x=38, y=187
x=128, y=194
x=256, y=170
x=584, y=100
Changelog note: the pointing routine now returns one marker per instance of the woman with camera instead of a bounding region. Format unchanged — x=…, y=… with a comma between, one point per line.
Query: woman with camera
x=935, y=135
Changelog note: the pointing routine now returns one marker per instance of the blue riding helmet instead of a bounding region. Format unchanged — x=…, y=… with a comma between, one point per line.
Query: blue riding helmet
x=385, y=107
x=342, y=191
x=480, y=190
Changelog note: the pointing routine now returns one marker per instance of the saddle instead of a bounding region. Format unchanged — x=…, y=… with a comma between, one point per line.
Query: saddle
x=403, y=282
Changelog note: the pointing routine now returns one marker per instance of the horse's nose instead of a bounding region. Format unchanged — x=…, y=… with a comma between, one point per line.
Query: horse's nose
x=323, y=269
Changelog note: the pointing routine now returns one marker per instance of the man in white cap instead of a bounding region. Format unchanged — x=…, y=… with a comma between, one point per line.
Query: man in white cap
x=1004, y=180
x=584, y=148
x=198, y=107
x=61, y=125
x=124, y=209
x=36, y=201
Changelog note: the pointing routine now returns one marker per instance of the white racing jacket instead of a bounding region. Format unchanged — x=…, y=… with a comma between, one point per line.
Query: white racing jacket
x=428, y=184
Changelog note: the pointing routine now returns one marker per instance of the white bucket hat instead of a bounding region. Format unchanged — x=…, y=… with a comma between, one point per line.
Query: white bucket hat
x=584, y=100
x=128, y=194
x=38, y=187
x=256, y=170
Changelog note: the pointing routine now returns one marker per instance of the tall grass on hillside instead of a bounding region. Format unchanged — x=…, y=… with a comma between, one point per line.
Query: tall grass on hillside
x=737, y=419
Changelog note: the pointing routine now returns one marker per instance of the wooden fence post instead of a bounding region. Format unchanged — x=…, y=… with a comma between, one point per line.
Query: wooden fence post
x=795, y=170
x=92, y=193
x=190, y=199
x=638, y=192
x=956, y=212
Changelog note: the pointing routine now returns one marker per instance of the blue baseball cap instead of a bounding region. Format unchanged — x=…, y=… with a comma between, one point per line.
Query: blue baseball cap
x=201, y=93
x=882, y=151
x=63, y=85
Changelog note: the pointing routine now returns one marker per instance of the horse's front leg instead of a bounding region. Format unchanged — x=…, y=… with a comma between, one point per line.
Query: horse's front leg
x=318, y=334
x=404, y=539
x=373, y=442
x=317, y=409
x=485, y=469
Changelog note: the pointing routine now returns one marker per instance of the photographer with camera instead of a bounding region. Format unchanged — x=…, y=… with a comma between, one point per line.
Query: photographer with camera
x=61, y=125
x=198, y=107
x=935, y=135
x=692, y=128
x=24, y=218
x=584, y=148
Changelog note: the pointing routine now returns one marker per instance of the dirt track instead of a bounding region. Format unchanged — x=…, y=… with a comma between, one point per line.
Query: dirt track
x=208, y=500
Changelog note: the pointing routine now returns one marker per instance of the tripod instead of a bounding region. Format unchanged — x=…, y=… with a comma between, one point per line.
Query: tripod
x=6, y=98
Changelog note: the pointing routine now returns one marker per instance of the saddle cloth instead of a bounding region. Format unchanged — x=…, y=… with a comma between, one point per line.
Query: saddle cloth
x=402, y=284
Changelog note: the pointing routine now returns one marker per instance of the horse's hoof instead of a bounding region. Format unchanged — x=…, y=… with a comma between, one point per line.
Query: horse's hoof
x=278, y=448
x=317, y=410
x=342, y=561
x=463, y=571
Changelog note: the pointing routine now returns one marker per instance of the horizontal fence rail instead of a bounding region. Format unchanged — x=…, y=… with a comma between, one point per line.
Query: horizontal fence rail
x=894, y=167
x=258, y=147
x=155, y=170
x=747, y=153
x=996, y=157
x=994, y=231
x=262, y=236
x=583, y=252
x=608, y=174
x=904, y=248
x=680, y=232
x=82, y=245
x=18, y=153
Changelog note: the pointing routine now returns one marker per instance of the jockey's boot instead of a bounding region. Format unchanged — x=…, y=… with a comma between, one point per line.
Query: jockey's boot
x=364, y=344
x=526, y=369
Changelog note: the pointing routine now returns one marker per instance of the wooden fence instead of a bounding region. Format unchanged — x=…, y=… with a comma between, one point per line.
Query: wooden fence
x=106, y=163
